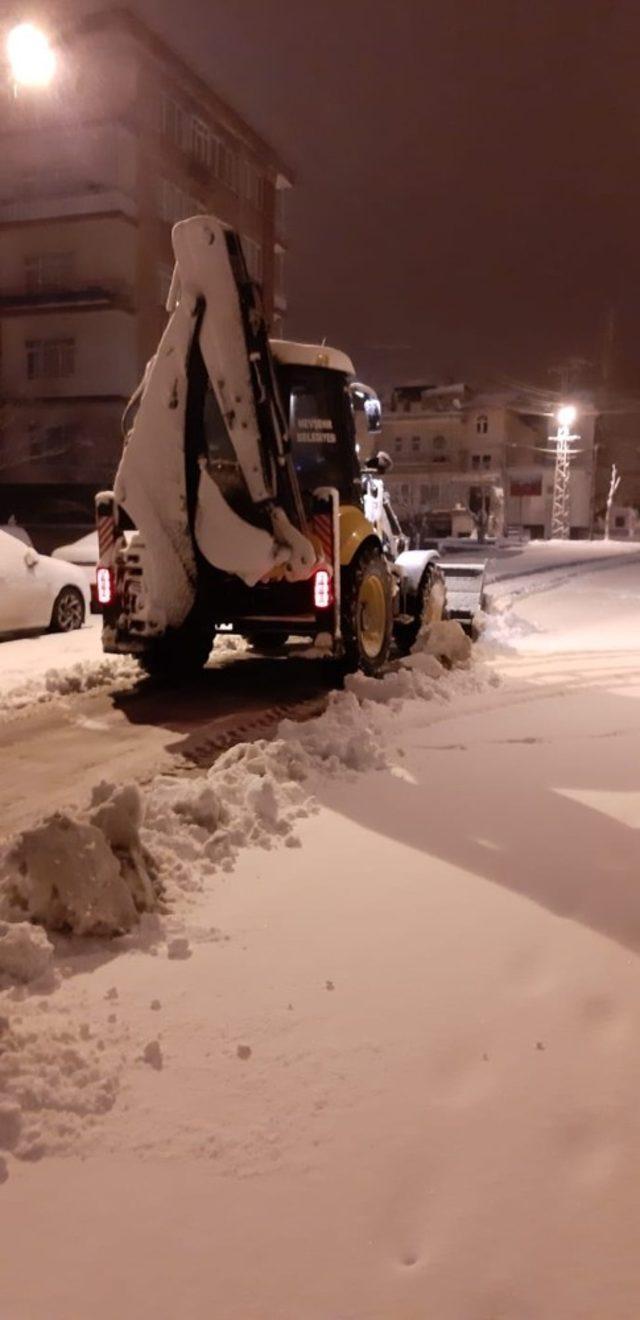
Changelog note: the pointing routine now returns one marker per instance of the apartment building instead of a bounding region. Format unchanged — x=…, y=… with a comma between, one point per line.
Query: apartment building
x=466, y=457
x=94, y=171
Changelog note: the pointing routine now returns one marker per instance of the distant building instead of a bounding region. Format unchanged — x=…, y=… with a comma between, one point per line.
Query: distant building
x=468, y=459
x=94, y=171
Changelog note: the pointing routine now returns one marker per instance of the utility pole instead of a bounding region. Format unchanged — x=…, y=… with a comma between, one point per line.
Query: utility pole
x=560, y=512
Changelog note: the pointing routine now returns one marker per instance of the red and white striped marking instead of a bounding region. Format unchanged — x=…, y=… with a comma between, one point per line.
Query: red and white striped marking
x=322, y=527
x=106, y=535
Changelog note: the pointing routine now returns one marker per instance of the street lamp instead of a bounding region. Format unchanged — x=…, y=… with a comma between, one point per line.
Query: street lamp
x=560, y=512
x=567, y=414
x=31, y=58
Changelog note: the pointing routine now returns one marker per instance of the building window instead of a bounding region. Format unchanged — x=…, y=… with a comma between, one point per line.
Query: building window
x=174, y=204
x=226, y=165
x=49, y=441
x=174, y=121
x=200, y=140
x=482, y=424
x=50, y=359
x=252, y=184
x=398, y=444
x=415, y=444
x=479, y=461
x=48, y=270
x=439, y=442
x=253, y=257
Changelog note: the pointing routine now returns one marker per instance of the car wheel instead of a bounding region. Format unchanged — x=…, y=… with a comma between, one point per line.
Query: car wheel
x=68, y=610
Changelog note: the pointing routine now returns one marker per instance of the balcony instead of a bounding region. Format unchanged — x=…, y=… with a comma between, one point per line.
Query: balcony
x=79, y=294
x=89, y=202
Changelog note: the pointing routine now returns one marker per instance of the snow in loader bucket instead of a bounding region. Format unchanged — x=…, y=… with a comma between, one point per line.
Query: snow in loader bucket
x=465, y=583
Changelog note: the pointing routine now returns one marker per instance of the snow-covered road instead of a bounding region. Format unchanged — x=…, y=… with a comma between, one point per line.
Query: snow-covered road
x=75, y=717
x=397, y=1071
x=70, y=715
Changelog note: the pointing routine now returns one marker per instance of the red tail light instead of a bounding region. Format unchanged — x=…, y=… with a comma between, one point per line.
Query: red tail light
x=322, y=589
x=105, y=586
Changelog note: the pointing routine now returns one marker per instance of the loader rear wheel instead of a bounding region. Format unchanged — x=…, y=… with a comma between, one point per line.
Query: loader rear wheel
x=179, y=654
x=430, y=608
x=367, y=612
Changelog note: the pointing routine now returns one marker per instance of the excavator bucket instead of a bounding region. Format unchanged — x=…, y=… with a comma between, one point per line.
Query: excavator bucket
x=465, y=585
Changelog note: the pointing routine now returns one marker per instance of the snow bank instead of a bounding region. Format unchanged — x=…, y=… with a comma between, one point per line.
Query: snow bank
x=83, y=676
x=93, y=874
x=89, y=877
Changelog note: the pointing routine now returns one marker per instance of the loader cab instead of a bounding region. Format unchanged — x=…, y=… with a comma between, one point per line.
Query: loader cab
x=316, y=394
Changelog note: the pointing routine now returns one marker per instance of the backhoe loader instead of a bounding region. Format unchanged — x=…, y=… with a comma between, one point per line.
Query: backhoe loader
x=250, y=492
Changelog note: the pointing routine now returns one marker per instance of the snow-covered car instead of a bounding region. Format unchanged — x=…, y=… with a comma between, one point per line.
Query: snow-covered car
x=38, y=592
x=83, y=553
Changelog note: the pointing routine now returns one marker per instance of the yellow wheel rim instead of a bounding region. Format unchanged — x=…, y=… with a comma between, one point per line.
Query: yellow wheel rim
x=372, y=616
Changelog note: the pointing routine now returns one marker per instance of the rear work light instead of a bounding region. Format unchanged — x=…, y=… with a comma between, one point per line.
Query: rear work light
x=322, y=589
x=105, y=586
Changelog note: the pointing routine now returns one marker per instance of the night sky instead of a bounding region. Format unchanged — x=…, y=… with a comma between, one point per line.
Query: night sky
x=468, y=182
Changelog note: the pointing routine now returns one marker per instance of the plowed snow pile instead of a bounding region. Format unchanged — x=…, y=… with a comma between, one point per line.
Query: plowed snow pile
x=132, y=853
x=83, y=676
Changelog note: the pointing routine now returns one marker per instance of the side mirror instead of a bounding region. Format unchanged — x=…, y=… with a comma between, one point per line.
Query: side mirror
x=30, y=557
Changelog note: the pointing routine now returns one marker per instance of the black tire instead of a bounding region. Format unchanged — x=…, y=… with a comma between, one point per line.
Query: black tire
x=269, y=643
x=367, y=612
x=179, y=654
x=68, y=611
x=430, y=608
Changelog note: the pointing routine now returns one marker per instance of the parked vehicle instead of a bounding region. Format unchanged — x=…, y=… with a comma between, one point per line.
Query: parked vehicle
x=83, y=553
x=37, y=592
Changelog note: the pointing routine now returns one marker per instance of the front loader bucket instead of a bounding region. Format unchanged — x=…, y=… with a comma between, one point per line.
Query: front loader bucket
x=465, y=583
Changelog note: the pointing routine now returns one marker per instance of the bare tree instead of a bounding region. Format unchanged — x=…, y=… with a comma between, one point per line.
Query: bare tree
x=613, y=486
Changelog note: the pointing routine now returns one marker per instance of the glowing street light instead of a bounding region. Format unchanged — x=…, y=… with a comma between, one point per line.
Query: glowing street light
x=567, y=415
x=31, y=57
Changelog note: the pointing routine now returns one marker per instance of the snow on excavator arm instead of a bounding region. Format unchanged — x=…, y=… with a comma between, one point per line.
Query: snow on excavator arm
x=170, y=496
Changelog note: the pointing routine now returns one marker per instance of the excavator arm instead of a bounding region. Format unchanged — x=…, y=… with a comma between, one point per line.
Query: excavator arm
x=163, y=480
